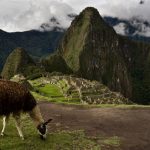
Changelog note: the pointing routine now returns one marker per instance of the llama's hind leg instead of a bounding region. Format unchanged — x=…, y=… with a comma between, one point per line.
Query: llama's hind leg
x=5, y=120
x=18, y=124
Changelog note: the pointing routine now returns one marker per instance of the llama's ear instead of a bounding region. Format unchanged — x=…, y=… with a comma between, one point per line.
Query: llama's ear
x=48, y=121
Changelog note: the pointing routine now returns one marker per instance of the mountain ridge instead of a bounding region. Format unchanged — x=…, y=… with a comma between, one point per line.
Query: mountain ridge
x=36, y=43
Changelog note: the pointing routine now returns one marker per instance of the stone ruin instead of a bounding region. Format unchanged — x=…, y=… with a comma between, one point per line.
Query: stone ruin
x=90, y=92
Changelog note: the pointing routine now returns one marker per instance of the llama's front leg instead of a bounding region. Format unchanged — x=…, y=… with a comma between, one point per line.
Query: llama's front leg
x=5, y=119
x=18, y=125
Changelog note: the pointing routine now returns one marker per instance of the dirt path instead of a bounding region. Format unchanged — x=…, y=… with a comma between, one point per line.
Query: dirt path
x=131, y=125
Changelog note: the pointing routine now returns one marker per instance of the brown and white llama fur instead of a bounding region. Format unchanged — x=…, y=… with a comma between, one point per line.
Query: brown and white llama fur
x=15, y=99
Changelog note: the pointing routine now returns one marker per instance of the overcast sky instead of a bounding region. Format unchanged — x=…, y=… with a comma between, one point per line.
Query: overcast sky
x=22, y=15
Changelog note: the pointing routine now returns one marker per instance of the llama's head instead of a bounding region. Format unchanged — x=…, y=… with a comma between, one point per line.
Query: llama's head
x=43, y=129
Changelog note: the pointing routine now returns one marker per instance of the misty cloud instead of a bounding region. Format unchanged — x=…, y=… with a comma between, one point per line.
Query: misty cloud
x=21, y=15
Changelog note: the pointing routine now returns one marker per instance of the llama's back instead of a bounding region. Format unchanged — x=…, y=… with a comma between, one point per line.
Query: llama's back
x=14, y=97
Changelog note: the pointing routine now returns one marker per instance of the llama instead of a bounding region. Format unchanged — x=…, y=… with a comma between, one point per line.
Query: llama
x=15, y=99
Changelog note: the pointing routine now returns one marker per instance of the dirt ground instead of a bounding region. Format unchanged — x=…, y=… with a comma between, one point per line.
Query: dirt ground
x=132, y=126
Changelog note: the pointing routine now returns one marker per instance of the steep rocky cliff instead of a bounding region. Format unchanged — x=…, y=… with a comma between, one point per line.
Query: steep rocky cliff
x=93, y=50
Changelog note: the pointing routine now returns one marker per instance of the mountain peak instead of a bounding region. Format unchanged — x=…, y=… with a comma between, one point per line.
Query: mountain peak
x=84, y=30
x=19, y=50
x=17, y=62
x=90, y=11
x=90, y=14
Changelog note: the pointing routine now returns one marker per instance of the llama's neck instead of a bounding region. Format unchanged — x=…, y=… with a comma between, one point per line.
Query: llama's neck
x=36, y=116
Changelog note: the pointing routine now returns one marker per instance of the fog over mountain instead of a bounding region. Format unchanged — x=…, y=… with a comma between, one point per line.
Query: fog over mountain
x=23, y=15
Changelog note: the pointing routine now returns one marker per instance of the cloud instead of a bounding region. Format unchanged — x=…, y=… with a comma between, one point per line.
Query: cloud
x=126, y=9
x=118, y=8
x=21, y=15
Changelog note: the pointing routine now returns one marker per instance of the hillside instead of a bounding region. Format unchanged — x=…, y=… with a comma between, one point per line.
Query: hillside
x=93, y=50
x=19, y=62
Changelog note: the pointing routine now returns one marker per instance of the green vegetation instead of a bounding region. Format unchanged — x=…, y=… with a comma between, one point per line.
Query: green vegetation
x=112, y=141
x=58, y=140
x=52, y=92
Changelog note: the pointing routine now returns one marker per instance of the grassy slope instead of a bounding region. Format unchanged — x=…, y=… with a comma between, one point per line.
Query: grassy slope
x=61, y=140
